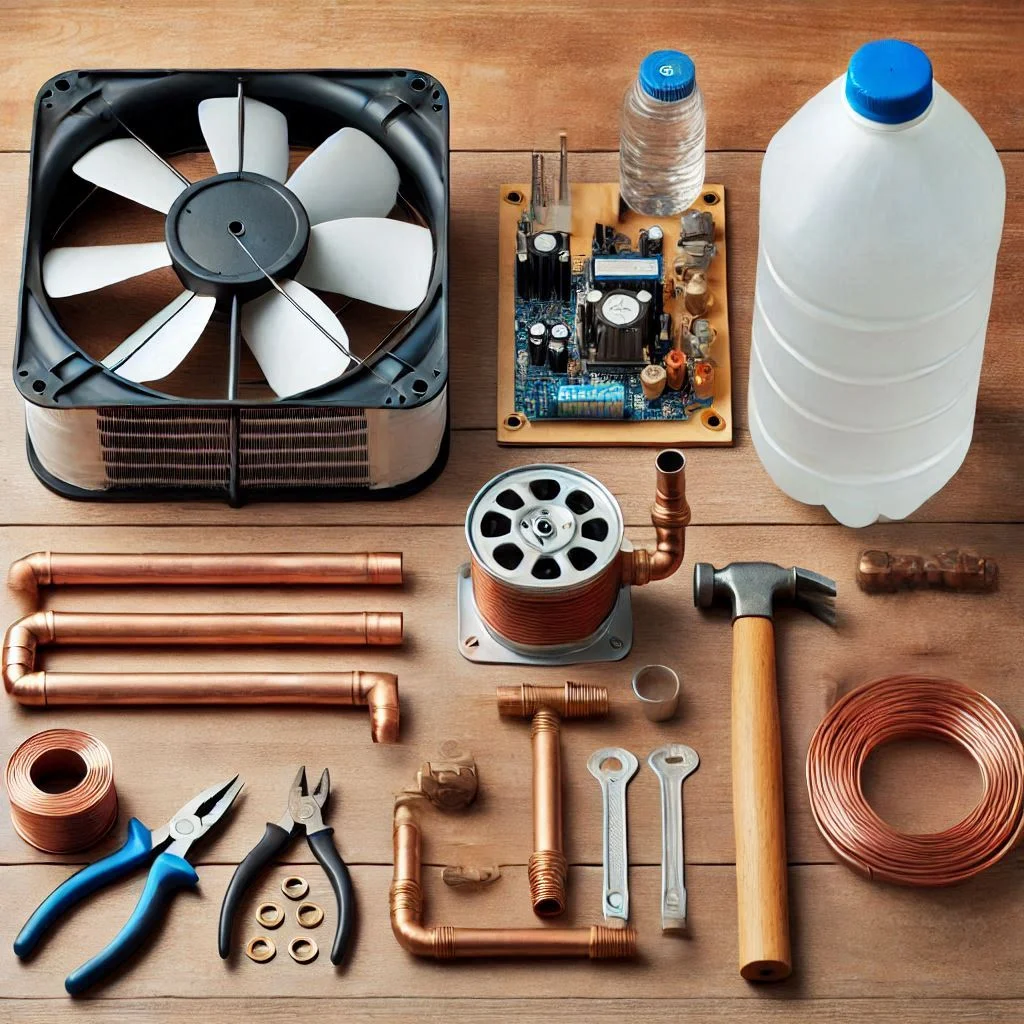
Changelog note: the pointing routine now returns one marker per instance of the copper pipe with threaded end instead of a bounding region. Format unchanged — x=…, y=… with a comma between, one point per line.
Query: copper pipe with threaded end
x=445, y=942
x=318, y=569
x=546, y=706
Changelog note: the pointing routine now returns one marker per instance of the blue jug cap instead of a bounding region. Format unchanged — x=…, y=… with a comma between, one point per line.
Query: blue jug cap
x=667, y=75
x=889, y=81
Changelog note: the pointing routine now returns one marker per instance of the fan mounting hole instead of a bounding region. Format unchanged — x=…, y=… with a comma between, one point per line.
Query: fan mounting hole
x=510, y=499
x=580, y=502
x=39, y=386
x=418, y=83
x=544, y=489
x=494, y=524
x=508, y=556
x=712, y=419
x=546, y=569
x=237, y=228
x=581, y=558
x=514, y=197
x=710, y=198
x=438, y=107
x=62, y=85
x=513, y=421
x=419, y=386
x=594, y=529
x=23, y=373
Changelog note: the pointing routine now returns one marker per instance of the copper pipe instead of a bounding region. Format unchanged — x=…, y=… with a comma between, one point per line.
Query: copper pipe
x=885, y=572
x=377, y=691
x=444, y=942
x=670, y=515
x=914, y=707
x=132, y=629
x=547, y=706
x=51, y=568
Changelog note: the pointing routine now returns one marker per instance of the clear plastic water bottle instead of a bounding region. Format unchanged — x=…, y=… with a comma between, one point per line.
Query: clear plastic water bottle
x=661, y=145
x=881, y=213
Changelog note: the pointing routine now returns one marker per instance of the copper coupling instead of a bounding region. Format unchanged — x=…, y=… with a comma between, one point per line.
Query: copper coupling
x=319, y=569
x=446, y=942
x=670, y=515
x=376, y=690
x=546, y=706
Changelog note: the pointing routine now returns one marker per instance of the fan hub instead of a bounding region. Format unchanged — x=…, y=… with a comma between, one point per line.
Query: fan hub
x=224, y=232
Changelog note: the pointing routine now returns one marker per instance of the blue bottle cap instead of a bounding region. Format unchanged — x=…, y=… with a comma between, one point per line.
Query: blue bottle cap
x=889, y=81
x=667, y=75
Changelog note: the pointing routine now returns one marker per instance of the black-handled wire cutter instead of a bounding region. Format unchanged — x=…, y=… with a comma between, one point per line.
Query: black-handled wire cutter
x=304, y=813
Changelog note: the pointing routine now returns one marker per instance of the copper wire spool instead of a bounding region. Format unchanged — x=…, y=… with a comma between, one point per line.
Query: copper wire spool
x=61, y=787
x=916, y=707
x=545, y=561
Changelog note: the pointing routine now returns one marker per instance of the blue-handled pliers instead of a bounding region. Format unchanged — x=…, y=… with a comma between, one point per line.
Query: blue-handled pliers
x=166, y=847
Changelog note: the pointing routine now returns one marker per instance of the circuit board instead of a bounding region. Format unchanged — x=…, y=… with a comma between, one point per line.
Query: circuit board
x=581, y=400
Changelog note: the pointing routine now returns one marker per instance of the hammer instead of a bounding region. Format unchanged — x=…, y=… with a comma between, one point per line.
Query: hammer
x=751, y=589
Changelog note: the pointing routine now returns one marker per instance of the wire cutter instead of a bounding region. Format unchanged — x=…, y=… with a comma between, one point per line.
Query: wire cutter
x=167, y=848
x=303, y=814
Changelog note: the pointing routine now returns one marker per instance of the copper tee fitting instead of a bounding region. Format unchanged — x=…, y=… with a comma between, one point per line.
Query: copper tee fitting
x=318, y=569
x=547, y=706
x=445, y=942
x=670, y=515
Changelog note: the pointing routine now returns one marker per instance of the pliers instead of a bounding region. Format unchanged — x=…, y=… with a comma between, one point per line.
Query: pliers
x=167, y=848
x=303, y=814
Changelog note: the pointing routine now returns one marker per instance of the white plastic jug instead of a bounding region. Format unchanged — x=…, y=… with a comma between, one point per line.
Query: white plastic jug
x=881, y=213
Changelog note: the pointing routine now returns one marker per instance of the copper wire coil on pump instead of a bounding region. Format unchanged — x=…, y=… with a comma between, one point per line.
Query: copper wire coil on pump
x=916, y=707
x=550, y=571
x=61, y=788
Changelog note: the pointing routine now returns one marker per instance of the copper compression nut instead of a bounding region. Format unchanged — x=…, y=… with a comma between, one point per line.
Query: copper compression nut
x=376, y=690
x=546, y=706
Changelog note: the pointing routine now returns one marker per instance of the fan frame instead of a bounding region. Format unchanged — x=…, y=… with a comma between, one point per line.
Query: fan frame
x=404, y=110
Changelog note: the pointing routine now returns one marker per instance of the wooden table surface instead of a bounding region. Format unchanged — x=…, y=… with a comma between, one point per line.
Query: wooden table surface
x=517, y=73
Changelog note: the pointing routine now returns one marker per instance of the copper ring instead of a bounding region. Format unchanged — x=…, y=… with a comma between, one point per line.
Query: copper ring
x=260, y=949
x=295, y=887
x=270, y=915
x=909, y=707
x=61, y=787
x=303, y=950
x=309, y=915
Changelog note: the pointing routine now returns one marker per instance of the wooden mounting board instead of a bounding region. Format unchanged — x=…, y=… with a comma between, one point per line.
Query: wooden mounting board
x=599, y=204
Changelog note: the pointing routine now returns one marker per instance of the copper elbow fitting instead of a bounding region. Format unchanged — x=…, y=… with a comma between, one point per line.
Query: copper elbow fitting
x=378, y=691
x=445, y=942
x=670, y=515
x=547, y=706
x=48, y=568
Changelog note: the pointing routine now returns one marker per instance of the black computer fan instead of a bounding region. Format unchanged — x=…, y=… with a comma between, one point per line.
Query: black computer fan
x=252, y=244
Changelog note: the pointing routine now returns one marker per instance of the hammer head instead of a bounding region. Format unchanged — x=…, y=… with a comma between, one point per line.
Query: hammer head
x=751, y=588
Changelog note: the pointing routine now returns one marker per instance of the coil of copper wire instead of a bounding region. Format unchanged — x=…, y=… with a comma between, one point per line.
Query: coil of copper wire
x=61, y=787
x=911, y=707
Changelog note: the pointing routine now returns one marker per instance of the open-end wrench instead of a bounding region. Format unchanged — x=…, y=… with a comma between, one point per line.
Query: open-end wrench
x=672, y=764
x=615, y=896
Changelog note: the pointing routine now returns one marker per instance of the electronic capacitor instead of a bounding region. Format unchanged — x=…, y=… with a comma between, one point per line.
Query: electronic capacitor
x=558, y=357
x=653, y=241
x=538, y=343
x=675, y=369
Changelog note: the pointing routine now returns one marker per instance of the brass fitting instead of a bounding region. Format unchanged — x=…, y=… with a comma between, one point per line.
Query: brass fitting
x=670, y=515
x=547, y=706
x=315, y=568
x=445, y=942
x=376, y=690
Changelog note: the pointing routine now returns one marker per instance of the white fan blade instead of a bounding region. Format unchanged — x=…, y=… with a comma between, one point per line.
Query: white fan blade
x=160, y=345
x=294, y=354
x=266, y=137
x=126, y=167
x=73, y=270
x=386, y=262
x=347, y=175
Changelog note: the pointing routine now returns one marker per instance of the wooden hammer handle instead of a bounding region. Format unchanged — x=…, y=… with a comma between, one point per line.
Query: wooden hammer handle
x=757, y=801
